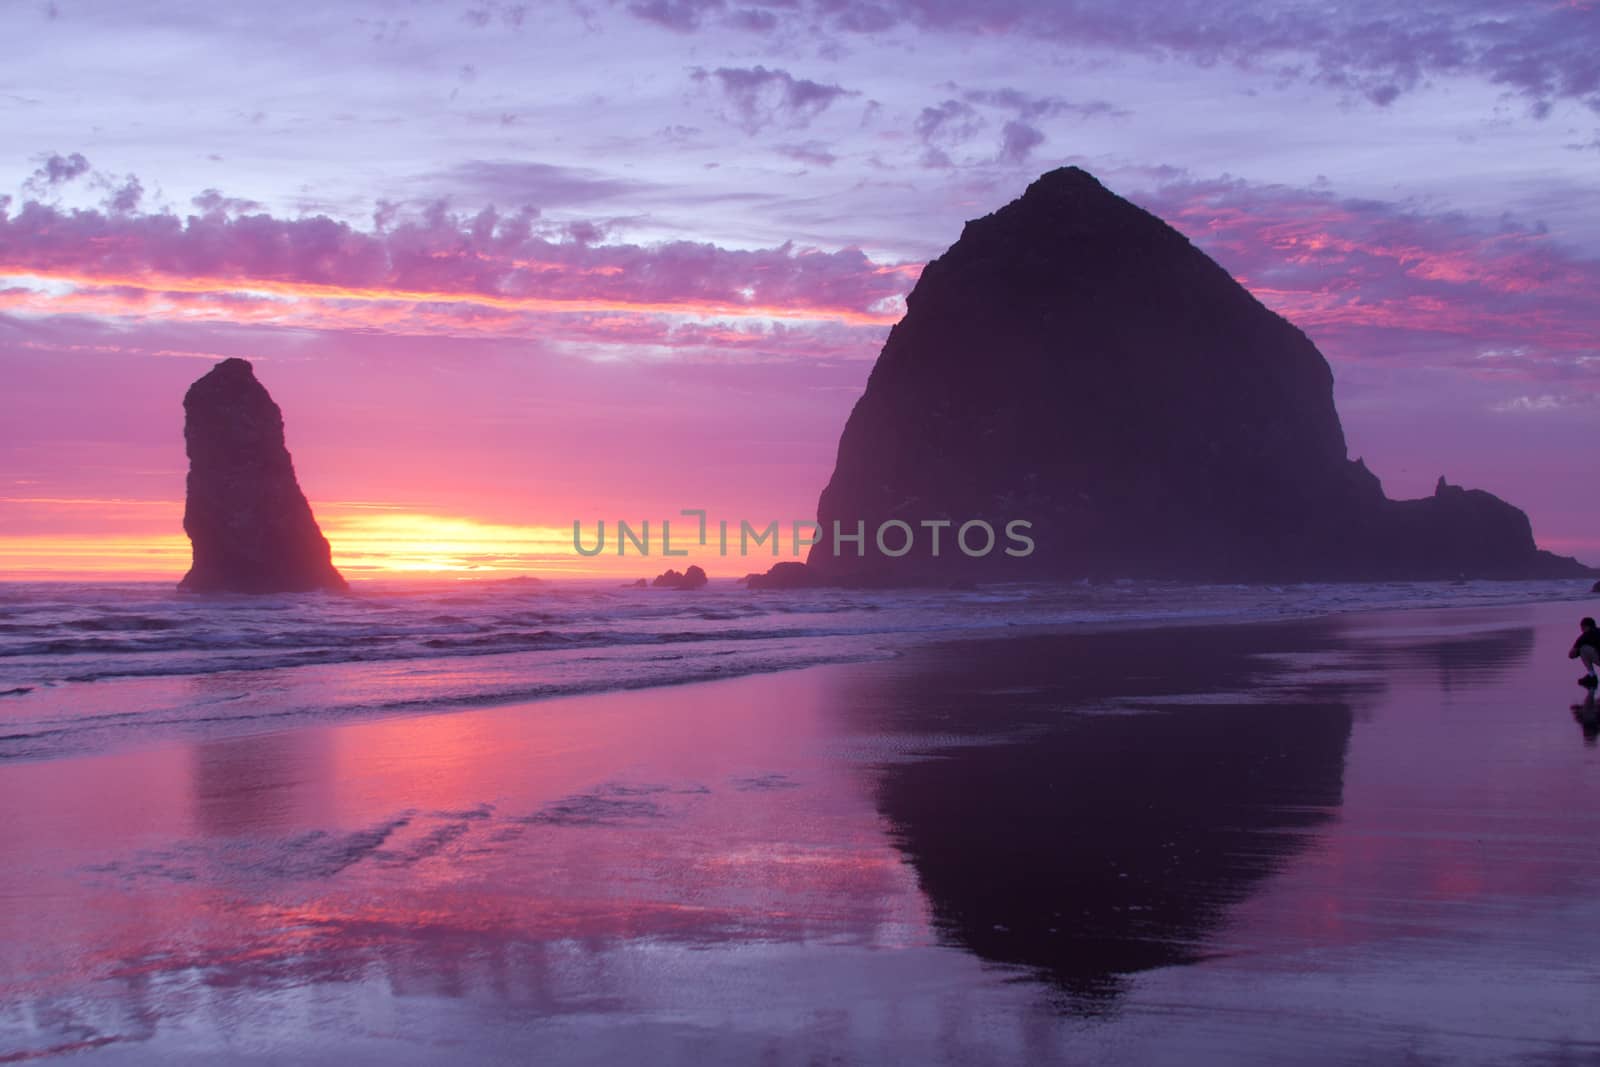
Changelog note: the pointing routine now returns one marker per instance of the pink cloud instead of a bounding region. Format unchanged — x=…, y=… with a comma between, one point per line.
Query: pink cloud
x=1376, y=281
x=435, y=272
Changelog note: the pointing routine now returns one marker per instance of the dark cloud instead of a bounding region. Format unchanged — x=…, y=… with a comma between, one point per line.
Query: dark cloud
x=1017, y=142
x=680, y=15
x=509, y=15
x=122, y=194
x=1591, y=145
x=950, y=121
x=125, y=197
x=761, y=97
x=945, y=126
x=753, y=20
x=57, y=170
x=813, y=152
x=1029, y=108
x=212, y=202
x=585, y=232
x=1373, y=49
x=542, y=185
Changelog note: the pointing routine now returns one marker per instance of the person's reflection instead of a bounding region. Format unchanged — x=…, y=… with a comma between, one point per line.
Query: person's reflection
x=1588, y=716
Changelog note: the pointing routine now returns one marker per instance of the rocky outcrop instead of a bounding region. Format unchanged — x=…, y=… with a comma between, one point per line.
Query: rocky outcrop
x=692, y=578
x=790, y=574
x=250, y=525
x=1460, y=532
x=1075, y=364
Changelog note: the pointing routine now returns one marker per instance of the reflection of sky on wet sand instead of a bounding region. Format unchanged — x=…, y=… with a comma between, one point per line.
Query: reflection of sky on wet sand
x=1449, y=912
x=483, y=855
x=1385, y=852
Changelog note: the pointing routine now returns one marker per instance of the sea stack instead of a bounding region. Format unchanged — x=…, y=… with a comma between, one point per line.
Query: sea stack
x=1075, y=363
x=250, y=525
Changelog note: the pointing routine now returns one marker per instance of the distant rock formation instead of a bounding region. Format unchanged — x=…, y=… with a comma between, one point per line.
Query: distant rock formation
x=1075, y=363
x=693, y=578
x=249, y=523
x=787, y=575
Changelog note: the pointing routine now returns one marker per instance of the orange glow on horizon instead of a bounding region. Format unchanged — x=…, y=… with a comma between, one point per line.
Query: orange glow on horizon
x=369, y=541
x=96, y=290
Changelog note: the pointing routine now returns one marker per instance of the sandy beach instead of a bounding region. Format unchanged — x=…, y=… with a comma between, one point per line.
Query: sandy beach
x=1360, y=838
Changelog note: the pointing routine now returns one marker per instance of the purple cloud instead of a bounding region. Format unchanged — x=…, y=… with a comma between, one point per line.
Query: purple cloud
x=56, y=170
x=1378, y=50
x=483, y=271
x=212, y=202
x=510, y=15
x=944, y=126
x=516, y=183
x=754, y=20
x=813, y=152
x=1017, y=142
x=762, y=97
x=122, y=195
x=1028, y=107
x=125, y=197
x=1383, y=285
x=679, y=15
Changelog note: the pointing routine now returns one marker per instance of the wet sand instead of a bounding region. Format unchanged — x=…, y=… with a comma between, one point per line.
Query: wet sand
x=1366, y=838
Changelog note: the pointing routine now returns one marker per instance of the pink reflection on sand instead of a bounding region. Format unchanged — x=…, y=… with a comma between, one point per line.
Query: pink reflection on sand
x=700, y=814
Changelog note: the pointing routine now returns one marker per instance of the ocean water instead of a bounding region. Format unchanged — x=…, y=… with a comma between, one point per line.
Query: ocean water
x=85, y=667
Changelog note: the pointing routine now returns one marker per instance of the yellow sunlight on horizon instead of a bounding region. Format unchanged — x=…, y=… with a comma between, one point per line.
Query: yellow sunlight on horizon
x=368, y=541
x=382, y=543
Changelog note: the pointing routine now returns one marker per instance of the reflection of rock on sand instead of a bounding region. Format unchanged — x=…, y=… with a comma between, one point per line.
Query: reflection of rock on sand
x=1098, y=845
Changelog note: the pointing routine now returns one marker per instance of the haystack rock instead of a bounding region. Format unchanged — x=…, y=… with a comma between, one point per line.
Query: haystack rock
x=1075, y=363
x=249, y=523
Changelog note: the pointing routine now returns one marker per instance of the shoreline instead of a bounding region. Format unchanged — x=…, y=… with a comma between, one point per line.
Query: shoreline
x=115, y=711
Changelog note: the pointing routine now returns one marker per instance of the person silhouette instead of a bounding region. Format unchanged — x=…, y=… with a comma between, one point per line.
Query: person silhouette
x=1588, y=716
x=1587, y=648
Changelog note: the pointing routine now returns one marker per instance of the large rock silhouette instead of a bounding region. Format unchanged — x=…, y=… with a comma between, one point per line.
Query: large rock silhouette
x=250, y=525
x=1075, y=362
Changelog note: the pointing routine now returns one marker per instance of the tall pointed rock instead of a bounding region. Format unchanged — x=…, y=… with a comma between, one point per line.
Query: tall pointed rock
x=250, y=525
x=1074, y=362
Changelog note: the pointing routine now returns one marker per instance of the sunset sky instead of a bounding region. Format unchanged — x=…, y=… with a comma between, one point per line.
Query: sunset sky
x=505, y=265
